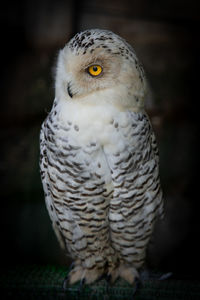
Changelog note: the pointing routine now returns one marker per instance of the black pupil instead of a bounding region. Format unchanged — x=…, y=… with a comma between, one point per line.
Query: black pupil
x=95, y=69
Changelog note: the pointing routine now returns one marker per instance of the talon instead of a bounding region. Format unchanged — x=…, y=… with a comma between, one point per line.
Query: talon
x=72, y=266
x=81, y=285
x=108, y=278
x=138, y=284
x=65, y=283
x=82, y=281
x=101, y=277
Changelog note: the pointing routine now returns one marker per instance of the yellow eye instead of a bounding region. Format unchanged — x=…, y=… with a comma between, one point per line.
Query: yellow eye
x=95, y=70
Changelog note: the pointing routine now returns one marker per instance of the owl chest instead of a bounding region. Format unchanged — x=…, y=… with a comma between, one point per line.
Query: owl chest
x=86, y=124
x=87, y=136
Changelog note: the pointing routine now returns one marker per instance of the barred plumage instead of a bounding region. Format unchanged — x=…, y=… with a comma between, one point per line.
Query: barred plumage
x=99, y=160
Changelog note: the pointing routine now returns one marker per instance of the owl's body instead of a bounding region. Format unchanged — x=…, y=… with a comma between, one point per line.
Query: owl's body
x=99, y=159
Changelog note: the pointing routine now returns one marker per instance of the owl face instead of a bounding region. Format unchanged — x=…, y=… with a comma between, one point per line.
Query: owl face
x=100, y=62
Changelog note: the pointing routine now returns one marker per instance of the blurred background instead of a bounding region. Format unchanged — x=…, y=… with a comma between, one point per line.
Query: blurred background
x=166, y=38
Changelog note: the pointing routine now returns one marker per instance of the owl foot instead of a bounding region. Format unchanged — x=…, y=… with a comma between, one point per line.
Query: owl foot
x=76, y=274
x=85, y=276
x=128, y=273
x=66, y=279
x=93, y=275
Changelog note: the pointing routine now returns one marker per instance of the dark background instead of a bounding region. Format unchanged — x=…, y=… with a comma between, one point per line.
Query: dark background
x=166, y=38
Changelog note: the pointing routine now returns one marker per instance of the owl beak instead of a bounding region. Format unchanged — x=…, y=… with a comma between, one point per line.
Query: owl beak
x=69, y=90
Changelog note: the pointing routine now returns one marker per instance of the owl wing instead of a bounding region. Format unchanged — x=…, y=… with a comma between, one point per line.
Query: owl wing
x=137, y=197
x=45, y=182
x=75, y=194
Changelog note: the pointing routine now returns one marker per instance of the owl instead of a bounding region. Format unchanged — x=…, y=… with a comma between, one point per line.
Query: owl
x=99, y=160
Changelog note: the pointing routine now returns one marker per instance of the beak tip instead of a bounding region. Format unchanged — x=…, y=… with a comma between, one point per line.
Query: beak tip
x=69, y=91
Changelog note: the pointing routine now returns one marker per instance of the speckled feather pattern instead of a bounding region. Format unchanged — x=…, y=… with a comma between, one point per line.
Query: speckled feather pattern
x=100, y=172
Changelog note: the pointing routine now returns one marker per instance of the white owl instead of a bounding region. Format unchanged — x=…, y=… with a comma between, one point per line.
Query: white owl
x=99, y=159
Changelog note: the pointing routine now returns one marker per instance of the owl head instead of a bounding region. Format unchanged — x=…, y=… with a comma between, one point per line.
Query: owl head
x=98, y=65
